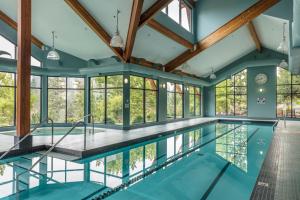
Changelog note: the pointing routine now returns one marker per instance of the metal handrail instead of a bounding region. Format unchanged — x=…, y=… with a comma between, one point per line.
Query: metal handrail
x=27, y=135
x=48, y=151
x=92, y=120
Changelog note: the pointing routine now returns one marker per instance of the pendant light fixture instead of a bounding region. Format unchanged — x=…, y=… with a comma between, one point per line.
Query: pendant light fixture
x=4, y=53
x=283, y=48
x=53, y=54
x=116, y=40
x=212, y=75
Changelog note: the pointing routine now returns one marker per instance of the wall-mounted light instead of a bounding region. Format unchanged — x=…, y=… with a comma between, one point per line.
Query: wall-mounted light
x=125, y=80
x=261, y=90
x=187, y=88
x=163, y=85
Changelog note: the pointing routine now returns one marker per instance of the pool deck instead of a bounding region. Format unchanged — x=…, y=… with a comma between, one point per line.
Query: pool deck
x=105, y=140
x=279, y=177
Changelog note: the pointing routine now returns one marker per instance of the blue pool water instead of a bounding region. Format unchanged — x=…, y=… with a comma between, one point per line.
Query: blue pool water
x=213, y=161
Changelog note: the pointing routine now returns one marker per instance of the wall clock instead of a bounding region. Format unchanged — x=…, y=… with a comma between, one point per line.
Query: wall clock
x=261, y=78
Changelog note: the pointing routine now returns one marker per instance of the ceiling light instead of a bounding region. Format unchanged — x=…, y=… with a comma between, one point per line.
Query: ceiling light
x=212, y=75
x=53, y=54
x=283, y=44
x=283, y=64
x=117, y=40
x=5, y=53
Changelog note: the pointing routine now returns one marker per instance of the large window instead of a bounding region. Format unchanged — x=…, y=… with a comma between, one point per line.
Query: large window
x=65, y=99
x=11, y=48
x=143, y=100
x=195, y=101
x=8, y=99
x=231, y=95
x=180, y=12
x=106, y=99
x=174, y=100
x=288, y=93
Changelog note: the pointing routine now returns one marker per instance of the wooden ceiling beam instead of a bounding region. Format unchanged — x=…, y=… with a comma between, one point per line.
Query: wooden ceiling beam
x=136, y=11
x=150, y=12
x=145, y=63
x=170, y=34
x=94, y=25
x=254, y=36
x=228, y=28
x=6, y=19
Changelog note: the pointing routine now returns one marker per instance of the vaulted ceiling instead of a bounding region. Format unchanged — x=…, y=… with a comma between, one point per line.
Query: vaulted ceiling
x=75, y=37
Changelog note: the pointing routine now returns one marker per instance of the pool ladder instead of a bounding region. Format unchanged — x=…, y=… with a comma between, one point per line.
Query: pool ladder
x=30, y=133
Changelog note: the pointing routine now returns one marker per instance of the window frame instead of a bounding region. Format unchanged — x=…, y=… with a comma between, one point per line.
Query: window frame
x=175, y=101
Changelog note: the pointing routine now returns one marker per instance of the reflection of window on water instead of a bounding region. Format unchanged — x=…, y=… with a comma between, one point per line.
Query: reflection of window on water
x=233, y=147
x=194, y=137
x=142, y=158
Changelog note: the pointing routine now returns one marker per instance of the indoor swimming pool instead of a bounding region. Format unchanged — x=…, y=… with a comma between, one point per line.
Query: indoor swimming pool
x=219, y=160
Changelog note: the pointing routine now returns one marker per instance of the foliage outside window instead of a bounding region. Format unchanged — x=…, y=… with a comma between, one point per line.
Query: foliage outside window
x=174, y=100
x=231, y=95
x=8, y=99
x=180, y=12
x=143, y=100
x=288, y=93
x=6, y=45
x=106, y=99
x=65, y=99
x=195, y=101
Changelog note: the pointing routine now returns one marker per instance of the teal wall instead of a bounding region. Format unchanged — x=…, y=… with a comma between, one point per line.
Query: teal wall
x=267, y=110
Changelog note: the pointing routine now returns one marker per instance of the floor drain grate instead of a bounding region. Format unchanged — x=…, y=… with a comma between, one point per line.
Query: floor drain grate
x=263, y=184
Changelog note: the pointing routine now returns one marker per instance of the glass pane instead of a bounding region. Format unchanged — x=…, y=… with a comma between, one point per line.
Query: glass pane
x=296, y=88
x=191, y=90
x=179, y=105
x=35, y=105
x=170, y=105
x=35, y=81
x=220, y=105
x=241, y=105
x=197, y=105
x=296, y=105
x=296, y=79
x=241, y=78
x=240, y=90
x=75, y=105
x=284, y=102
x=57, y=105
x=151, y=98
x=136, y=160
x=191, y=136
x=283, y=89
x=98, y=105
x=186, y=16
x=115, y=81
x=192, y=104
x=150, y=157
x=136, y=106
x=75, y=83
x=179, y=88
x=97, y=82
x=151, y=84
x=221, y=84
x=283, y=76
x=173, y=10
x=221, y=91
x=230, y=105
x=230, y=90
x=170, y=87
x=35, y=62
x=57, y=82
x=9, y=47
x=7, y=105
x=115, y=106
x=136, y=82
x=230, y=81
x=7, y=79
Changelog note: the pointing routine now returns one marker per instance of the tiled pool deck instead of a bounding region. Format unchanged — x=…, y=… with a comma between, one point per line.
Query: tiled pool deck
x=279, y=177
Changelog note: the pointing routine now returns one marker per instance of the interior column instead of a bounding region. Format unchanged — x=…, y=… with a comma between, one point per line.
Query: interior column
x=23, y=68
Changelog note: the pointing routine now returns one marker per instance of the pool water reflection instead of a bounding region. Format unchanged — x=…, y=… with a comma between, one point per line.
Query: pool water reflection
x=219, y=143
